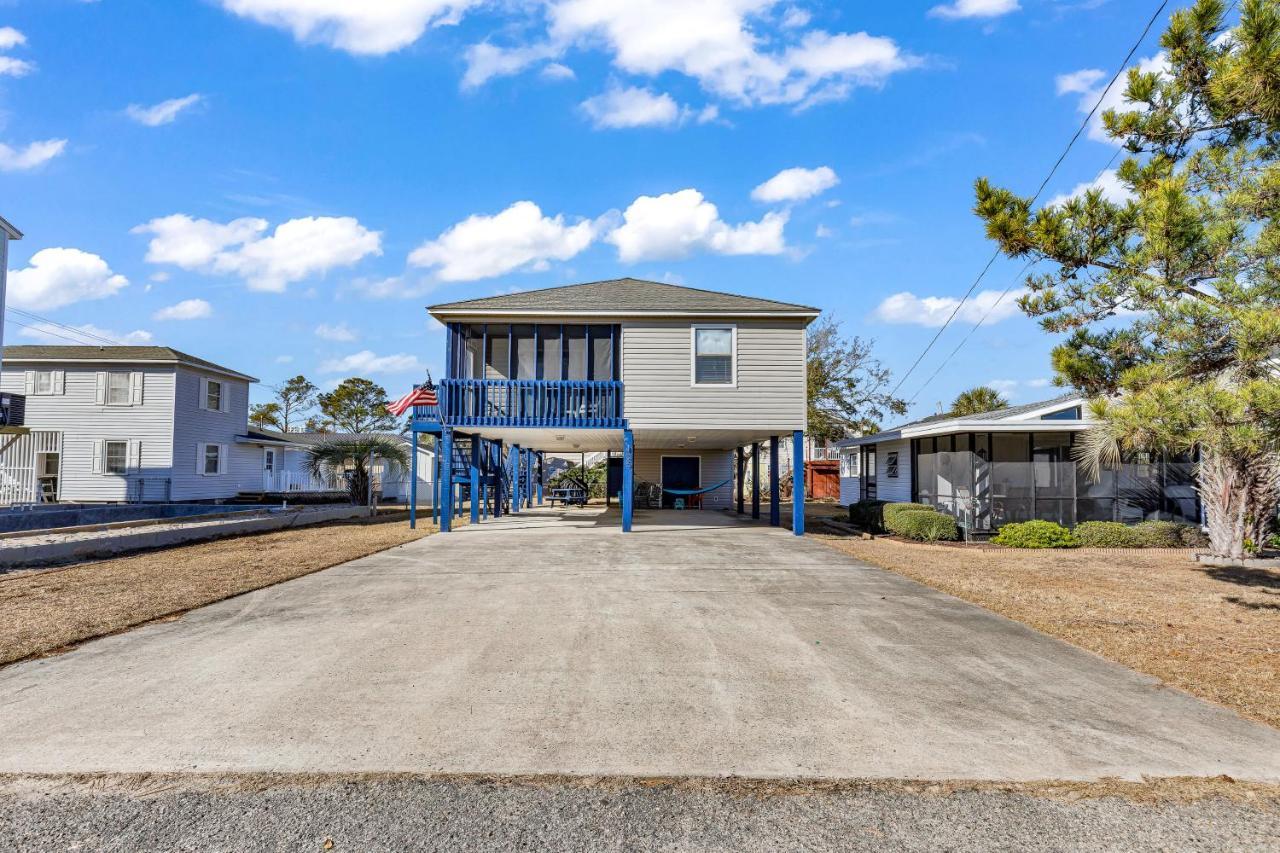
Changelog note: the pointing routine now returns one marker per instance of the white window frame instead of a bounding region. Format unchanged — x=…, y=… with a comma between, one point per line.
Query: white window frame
x=106, y=457
x=202, y=459
x=224, y=390
x=46, y=376
x=269, y=459
x=208, y=392
x=693, y=355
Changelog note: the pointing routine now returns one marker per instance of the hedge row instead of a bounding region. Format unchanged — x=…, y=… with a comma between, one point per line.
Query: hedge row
x=1147, y=534
x=920, y=522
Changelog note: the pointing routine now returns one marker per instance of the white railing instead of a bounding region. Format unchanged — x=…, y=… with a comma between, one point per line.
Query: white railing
x=832, y=453
x=18, y=465
x=296, y=481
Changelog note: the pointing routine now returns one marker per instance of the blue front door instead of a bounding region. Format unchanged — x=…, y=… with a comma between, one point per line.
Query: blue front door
x=680, y=472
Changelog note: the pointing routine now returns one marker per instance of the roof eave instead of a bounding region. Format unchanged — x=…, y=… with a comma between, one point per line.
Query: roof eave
x=176, y=362
x=568, y=312
x=9, y=229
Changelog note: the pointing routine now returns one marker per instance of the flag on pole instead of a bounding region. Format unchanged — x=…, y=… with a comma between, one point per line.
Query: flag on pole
x=421, y=395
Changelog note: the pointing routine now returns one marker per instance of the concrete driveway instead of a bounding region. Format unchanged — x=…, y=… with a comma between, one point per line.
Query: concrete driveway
x=552, y=643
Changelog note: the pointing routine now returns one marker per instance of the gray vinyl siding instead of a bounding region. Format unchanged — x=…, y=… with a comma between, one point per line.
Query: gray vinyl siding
x=81, y=420
x=717, y=465
x=770, y=367
x=889, y=489
x=193, y=426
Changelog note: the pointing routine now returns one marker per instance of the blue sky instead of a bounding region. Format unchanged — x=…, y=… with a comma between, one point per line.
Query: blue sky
x=283, y=185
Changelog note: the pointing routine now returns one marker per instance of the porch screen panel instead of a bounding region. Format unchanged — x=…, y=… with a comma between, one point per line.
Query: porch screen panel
x=1139, y=494
x=926, y=471
x=474, y=366
x=601, y=338
x=576, y=349
x=550, y=355
x=1096, y=501
x=525, y=352
x=1055, y=478
x=1011, y=481
x=498, y=360
x=1181, y=499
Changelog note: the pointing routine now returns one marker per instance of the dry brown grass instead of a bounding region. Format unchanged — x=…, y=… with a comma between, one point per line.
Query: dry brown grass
x=44, y=611
x=1214, y=633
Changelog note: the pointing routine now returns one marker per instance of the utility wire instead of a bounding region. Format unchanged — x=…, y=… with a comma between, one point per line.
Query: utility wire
x=92, y=336
x=1016, y=280
x=46, y=331
x=1063, y=156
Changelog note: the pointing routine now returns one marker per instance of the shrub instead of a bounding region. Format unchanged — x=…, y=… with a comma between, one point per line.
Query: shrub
x=1158, y=534
x=1106, y=534
x=1035, y=534
x=891, y=511
x=869, y=515
x=1192, y=536
x=926, y=525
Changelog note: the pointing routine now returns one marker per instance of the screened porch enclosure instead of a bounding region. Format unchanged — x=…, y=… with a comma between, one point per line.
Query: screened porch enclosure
x=991, y=479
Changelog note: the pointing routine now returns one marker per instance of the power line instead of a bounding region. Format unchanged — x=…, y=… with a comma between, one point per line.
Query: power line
x=1063, y=156
x=999, y=299
x=46, y=331
x=93, y=336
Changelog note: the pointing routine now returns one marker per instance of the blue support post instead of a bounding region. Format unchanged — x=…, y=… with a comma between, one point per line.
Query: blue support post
x=475, y=479
x=797, y=483
x=628, y=465
x=498, y=509
x=541, y=474
x=413, y=485
x=446, y=487
x=755, y=480
x=435, y=480
x=775, y=515
x=742, y=468
x=516, y=494
x=484, y=479
x=528, y=478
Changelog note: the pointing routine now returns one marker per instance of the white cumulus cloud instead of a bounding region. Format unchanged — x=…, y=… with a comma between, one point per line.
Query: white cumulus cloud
x=519, y=237
x=975, y=9
x=296, y=250
x=1108, y=183
x=33, y=155
x=57, y=277
x=367, y=361
x=164, y=112
x=187, y=309
x=13, y=67
x=1089, y=84
x=335, y=332
x=622, y=107
x=374, y=27
x=796, y=184
x=933, y=311
x=9, y=38
x=674, y=225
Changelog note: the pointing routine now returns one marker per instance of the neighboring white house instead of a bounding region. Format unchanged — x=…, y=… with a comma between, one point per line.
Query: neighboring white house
x=287, y=469
x=126, y=423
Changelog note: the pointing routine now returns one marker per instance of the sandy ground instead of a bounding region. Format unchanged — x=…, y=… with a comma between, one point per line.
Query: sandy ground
x=1214, y=633
x=43, y=611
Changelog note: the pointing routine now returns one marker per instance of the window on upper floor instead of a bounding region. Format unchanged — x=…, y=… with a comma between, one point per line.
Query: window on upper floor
x=118, y=388
x=43, y=382
x=713, y=355
x=213, y=395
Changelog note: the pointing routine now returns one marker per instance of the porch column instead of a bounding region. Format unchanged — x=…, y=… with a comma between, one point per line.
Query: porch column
x=797, y=482
x=542, y=471
x=446, y=478
x=628, y=465
x=742, y=470
x=413, y=484
x=474, y=485
x=528, y=483
x=775, y=518
x=435, y=479
x=484, y=479
x=755, y=480
x=498, y=508
x=516, y=494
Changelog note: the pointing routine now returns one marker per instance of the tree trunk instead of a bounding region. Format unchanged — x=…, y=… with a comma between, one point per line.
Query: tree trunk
x=359, y=485
x=1240, y=495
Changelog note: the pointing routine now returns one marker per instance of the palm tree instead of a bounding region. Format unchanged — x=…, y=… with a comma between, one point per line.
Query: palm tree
x=339, y=452
x=984, y=398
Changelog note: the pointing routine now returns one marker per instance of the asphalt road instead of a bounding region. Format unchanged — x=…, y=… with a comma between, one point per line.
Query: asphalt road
x=459, y=815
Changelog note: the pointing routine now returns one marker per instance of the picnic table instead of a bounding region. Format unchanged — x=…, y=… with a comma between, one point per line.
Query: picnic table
x=569, y=496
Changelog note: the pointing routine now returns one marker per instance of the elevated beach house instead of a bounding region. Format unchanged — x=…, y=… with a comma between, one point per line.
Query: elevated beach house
x=677, y=382
x=1014, y=464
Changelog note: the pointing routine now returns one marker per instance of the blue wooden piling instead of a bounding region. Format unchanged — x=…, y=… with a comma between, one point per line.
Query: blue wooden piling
x=755, y=480
x=742, y=468
x=797, y=483
x=628, y=464
x=446, y=486
x=516, y=495
x=413, y=485
x=474, y=485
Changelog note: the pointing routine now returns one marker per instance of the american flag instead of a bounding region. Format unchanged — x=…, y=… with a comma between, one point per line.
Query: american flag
x=421, y=395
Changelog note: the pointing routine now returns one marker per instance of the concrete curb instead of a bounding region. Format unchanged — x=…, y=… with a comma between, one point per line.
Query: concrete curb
x=96, y=549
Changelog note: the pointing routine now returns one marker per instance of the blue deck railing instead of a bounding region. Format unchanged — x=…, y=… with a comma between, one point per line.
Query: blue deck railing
x=531, y=403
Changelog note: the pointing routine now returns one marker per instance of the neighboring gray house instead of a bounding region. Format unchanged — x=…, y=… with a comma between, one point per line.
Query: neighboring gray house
x=689, y=376
x=126, y=423
x=1013, y=464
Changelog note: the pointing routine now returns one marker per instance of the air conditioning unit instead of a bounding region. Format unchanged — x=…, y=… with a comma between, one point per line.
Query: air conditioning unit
x=13, y=410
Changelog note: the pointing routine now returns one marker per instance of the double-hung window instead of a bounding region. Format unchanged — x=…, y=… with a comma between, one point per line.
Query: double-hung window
x=115, y=456
x=213, y=395
x=44, y=382
x=713, y=355
x=212, y=459
x=119, y=392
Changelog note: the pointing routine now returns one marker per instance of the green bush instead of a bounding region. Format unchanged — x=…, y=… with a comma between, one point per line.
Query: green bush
x=1192, y=536
x=1158, y=534
x=1106, y=534
x=869, y=515
x=926, y=525
x=1035, y=534
x=891, y=511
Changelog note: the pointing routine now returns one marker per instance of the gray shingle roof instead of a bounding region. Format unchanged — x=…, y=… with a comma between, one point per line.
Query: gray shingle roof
x=50, y=352
x=625, y=296
x=993, y=415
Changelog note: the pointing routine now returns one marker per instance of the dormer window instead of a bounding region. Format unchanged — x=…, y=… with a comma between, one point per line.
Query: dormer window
x=1072, y=414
